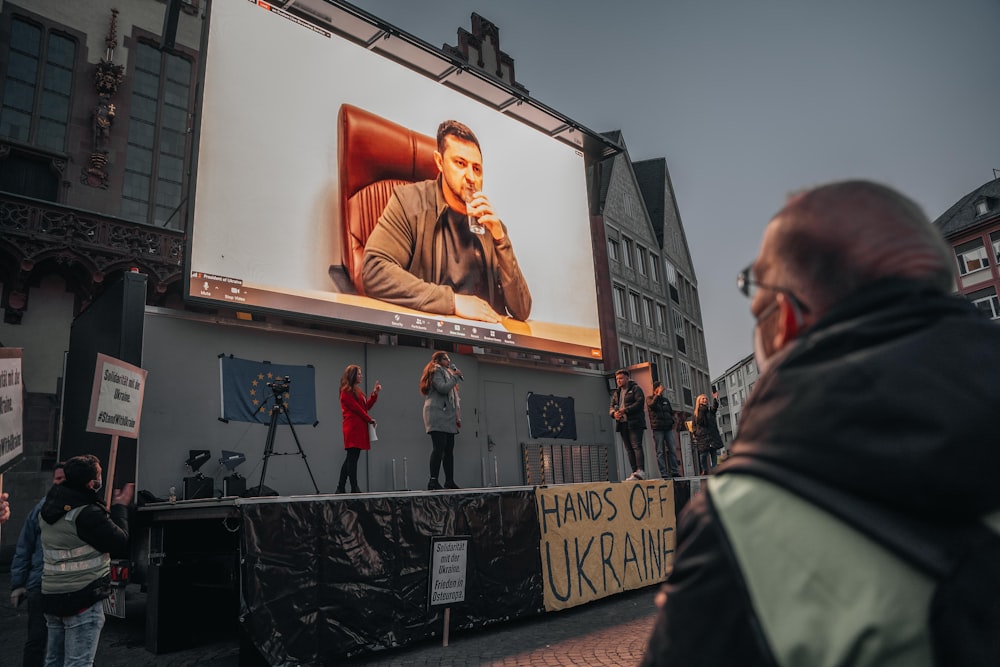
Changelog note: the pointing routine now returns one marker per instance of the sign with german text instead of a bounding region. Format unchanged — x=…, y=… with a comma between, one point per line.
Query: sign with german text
x=116, y=400
x=449, y=570
x=604, y=538
x=11, y=407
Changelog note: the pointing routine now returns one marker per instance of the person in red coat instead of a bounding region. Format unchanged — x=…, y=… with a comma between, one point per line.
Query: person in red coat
x=355, y=407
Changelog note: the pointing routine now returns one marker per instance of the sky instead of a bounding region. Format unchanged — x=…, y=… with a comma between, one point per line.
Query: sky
x=749, y=101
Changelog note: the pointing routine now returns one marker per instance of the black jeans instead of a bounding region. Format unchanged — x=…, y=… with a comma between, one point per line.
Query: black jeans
x=350, y=470
x=632, y=439
x=443, y=452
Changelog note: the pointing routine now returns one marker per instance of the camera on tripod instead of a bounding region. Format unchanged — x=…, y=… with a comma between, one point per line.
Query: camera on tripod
x=280, y=386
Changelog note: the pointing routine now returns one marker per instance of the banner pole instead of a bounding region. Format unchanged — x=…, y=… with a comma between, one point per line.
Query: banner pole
x=447, y=623
x=109, y=479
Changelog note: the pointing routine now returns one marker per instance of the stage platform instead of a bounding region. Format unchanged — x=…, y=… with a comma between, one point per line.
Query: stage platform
x=312, y=579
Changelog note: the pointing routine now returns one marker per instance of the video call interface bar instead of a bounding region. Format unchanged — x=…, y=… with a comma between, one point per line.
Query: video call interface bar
x=233, y=291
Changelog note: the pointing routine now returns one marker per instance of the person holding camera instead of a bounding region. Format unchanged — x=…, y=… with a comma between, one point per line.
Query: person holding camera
x=442, y=416
x=355, y=406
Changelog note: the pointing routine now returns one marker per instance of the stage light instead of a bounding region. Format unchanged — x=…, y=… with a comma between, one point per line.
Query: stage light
x=197, y=458
x=232, y=459
x=234, y=484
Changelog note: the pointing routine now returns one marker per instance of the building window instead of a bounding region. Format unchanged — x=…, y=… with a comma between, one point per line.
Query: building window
x=633, y=299
x=667, y=376
x=626, y=355
x=37, y=87
x=672, y=281
x=640, y=258
x=986, y=301
x=661, y=318
x=654, y=267
x=640, y=355
x=647, y=313
x=971, y=256
x=688, y=395
x=157, y=138
x=619, y=298
x=679, y=332
x=995, y=240
x=613, y=250
x=627, y=252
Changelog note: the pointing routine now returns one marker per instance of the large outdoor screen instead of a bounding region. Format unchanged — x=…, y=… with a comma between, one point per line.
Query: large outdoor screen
x=279, y=205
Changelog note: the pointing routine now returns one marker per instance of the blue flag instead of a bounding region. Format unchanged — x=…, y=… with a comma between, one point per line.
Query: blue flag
x=251, y=388
x=551, y=416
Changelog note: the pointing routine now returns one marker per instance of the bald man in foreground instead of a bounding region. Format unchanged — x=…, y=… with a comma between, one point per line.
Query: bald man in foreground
x=857, y=521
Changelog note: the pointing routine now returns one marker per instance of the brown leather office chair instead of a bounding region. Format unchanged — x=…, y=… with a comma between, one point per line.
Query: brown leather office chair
x=375, y=156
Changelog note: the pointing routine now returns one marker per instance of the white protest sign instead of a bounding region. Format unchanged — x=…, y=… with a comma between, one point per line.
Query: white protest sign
x=116, y=400
x=449, y=570
x=11, y=406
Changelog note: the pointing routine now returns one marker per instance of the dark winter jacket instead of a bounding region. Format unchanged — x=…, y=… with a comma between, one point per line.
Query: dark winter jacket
x=706, y=429
x=635, y=403
x=78, y=536
x=856, y=409
x=661, y=413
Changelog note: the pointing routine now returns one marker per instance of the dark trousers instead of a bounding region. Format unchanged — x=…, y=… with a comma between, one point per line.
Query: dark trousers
x=34, y=646
x=708, y=460
x=350, y=470
x=443, y=452
x=632, y=439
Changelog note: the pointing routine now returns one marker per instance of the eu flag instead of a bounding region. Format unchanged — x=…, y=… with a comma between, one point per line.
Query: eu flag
x=551, y=416
x=251, y=388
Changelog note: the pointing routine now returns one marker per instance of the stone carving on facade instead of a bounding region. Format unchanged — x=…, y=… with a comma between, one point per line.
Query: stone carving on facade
x=107, y=77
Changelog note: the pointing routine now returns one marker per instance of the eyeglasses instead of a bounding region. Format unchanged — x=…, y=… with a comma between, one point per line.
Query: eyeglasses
x=748, y=286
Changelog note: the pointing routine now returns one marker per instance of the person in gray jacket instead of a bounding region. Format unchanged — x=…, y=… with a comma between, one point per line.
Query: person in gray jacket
x=442, y=416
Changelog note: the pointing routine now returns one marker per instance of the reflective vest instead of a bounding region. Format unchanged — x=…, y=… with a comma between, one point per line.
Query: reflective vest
x=825, y=594
x=70, y=564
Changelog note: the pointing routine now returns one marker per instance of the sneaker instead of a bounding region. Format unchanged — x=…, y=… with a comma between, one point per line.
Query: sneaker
x=639, y=474
x=631, y=478
x=433, y=484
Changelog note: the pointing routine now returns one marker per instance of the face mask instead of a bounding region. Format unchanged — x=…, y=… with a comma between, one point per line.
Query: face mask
x=98, y=484
x=759, y=355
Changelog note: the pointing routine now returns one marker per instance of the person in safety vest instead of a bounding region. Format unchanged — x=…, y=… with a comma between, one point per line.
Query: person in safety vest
x=78, y=537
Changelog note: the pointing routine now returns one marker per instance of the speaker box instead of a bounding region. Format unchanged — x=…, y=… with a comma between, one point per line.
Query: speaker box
x=234, y=485
x=199, y=486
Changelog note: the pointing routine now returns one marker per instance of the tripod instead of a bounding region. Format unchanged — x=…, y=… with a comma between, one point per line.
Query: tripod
x=279, y=409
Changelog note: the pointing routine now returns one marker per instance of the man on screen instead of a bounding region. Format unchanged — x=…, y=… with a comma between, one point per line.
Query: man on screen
x=438, y=245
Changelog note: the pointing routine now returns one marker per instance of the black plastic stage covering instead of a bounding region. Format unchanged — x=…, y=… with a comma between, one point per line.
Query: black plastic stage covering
x=330, y=577
x=326, y=577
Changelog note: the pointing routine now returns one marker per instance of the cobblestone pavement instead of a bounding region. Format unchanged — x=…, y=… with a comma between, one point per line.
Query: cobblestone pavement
x=610, y=632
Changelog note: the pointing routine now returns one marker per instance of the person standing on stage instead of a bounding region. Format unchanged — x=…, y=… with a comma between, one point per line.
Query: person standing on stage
x=26, y=578
x=355, y=406
x=442, y=416
x=627, y=403
x=661, y=422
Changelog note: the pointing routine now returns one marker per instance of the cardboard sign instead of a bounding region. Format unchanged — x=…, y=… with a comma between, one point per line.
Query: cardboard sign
x=605, y=538
x=11, y=407
x=116, y=400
